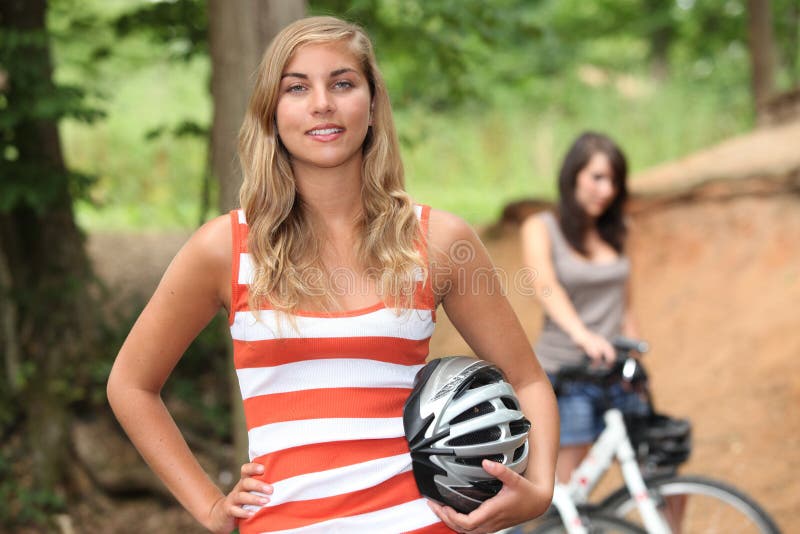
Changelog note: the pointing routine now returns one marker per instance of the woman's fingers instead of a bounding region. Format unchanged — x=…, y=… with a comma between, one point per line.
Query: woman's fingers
x=241, y=498
x=509, y=478
x=437, y=509
x=451, y=518
x=609, y=354
x=251, y=484
x=239, y=513
x=249, y=491
x=599, y=349
x=237, y=500
x=252, y=469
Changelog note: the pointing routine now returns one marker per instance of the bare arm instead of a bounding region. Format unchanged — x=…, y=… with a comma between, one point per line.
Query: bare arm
x=193, y=289
x=630, y=327
x=471, y=294
x=551, y=294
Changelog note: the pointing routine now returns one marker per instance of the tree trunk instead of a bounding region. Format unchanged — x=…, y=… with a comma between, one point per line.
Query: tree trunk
x=46, y=269
x=662, y=33
x=762, y=51
x=239, y=32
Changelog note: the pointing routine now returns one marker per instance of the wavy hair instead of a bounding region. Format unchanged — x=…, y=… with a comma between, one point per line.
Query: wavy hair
x=573, y=219
x=283, y=242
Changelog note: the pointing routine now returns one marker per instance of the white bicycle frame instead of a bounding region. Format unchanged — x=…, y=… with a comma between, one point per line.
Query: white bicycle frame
x=568, y=511
x=612, y=442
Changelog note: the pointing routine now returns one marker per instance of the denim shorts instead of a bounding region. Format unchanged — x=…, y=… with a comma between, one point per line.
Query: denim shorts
x=581, y=406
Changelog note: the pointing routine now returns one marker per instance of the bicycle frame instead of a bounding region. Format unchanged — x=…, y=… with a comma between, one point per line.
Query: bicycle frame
x=612, y=442
x=568, y=511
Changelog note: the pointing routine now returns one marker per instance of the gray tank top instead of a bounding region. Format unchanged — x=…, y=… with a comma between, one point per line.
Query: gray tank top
x=597, y=291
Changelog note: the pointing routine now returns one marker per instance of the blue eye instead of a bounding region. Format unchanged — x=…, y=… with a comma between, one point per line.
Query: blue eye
x=297, y=88
x=343, y=84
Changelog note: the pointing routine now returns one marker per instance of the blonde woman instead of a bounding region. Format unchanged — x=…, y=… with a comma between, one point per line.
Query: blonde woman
x=331, y=277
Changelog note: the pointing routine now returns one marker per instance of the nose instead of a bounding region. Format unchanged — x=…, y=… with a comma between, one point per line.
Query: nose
x=606, y=189
x=321, y=102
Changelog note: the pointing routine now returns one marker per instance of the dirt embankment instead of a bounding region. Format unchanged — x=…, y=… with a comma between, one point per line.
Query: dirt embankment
x=716, y=288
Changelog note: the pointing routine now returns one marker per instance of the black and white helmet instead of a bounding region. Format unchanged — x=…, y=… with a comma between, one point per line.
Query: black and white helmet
x=460, y=412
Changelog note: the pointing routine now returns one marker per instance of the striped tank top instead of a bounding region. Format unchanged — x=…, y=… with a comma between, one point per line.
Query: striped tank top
x=323, y=402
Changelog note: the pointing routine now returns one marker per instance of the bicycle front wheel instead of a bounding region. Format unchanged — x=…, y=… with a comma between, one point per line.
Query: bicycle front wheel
x=696, y=505
x=594, y=523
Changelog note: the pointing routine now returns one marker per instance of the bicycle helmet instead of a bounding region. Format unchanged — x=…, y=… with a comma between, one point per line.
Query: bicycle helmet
x=660, y=441
x=461, y=411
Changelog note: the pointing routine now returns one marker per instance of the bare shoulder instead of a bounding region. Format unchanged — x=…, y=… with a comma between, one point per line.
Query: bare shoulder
x=204, y=262
x=446, y=231
x=213, y=240
x=533, y=226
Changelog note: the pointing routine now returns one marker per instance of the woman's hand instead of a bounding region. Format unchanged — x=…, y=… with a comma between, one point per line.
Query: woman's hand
x=228, y=509
x=596, y=347
x=518, y=501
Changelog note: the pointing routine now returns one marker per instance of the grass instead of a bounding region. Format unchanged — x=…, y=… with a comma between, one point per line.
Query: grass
x=475, y=163
x=469, y=161
x=144, y=183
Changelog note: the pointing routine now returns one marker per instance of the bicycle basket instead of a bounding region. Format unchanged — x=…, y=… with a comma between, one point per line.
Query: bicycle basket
x=660, y=441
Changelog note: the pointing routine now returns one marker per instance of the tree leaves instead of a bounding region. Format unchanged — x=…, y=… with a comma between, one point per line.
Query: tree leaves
x=180, y=24
x=28, y=99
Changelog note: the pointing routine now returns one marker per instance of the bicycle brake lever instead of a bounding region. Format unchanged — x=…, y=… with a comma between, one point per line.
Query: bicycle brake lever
x=626, y=345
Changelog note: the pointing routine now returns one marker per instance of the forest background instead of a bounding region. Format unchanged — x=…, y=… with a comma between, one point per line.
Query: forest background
x=110, y=116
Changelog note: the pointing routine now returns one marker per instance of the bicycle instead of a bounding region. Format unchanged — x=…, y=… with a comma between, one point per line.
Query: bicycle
x=654, y=498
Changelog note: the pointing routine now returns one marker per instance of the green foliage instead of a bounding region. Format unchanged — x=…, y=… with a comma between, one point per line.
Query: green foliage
x=187, y=128
x=29, y=100
x=526, y=64
x=149, y=154
x=507, y=106
x=181, y=25
x=786, y=14
x=473, y=163
x=200, y=382
x=438, y=53
x=22, y=505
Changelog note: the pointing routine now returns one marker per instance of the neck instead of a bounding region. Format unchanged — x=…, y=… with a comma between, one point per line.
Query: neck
x=332, y=195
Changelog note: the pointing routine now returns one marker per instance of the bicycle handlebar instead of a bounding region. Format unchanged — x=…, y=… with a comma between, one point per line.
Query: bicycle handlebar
x=623, y=368
x=626, y=344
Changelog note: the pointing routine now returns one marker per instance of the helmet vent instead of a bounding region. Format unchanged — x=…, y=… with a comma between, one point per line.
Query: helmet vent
x=474, y=438
x=484, y=377
x=475, y=411
x=518, y=453
x=519, y=427
x=482, y=489
x=509, y=403
x=475, y=461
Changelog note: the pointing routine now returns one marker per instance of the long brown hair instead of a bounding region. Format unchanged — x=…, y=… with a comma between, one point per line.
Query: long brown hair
x=573, y=219
x=282, y=240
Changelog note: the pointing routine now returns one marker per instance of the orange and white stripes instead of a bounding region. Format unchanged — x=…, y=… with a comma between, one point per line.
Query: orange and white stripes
x=323, y=399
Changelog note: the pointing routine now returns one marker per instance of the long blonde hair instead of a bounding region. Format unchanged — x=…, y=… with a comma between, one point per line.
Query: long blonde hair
x=282, y=241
